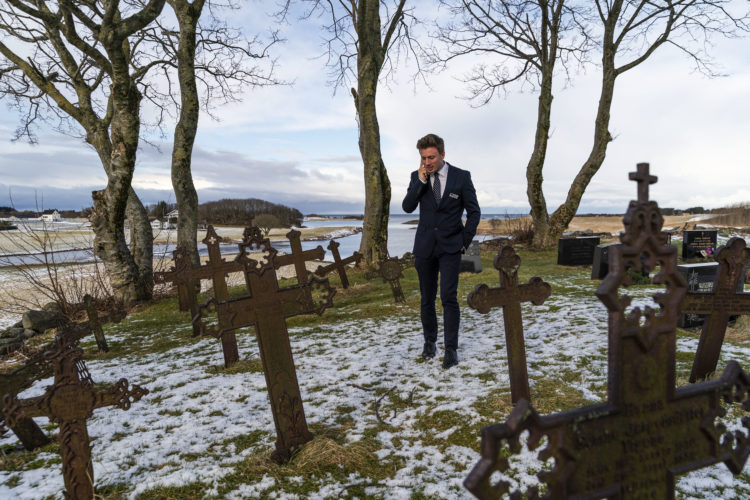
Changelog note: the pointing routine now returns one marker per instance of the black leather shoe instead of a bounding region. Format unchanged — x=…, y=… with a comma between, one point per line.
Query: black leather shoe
x=429, y=350
x=450, y=359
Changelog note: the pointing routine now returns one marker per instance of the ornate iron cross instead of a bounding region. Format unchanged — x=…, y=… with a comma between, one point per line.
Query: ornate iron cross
x=25, y=429
x=648, y=431
x=509, y=296
x=391, y=270
x=69, y=403
x=298, y=257
x=338, y=264
x=181, y=276
x=266, y=307
x=723, y=302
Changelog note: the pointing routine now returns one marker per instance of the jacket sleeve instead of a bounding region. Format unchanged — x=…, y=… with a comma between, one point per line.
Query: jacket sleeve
x=471, y=205
x=415, y=192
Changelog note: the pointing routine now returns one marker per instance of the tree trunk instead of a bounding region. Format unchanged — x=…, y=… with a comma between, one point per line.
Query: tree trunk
x=374, y=244
x=534, y=177
x=560, y=219
x=141, y=245
x=185, y=131
x=130, y=274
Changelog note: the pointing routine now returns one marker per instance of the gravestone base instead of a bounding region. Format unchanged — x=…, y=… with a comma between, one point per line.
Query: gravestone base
x=471, y=261
x=576, y=251
x=600, y=267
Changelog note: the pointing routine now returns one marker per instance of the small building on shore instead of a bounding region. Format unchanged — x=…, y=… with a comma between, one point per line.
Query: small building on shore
x=51, y=215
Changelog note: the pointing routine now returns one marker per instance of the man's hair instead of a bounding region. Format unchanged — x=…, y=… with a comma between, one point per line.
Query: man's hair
x=431, y=141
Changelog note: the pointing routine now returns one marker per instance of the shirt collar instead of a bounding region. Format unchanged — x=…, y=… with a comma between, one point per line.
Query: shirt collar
x=443, y=173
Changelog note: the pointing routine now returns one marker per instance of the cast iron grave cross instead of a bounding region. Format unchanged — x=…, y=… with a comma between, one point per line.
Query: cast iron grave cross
x=338, y=263
x=69, y=403
x=266, y=307
x=298, y=257
x=509, y=296
x=181, y=276
x=723, y=302
x=648, y=431
x=391, y=270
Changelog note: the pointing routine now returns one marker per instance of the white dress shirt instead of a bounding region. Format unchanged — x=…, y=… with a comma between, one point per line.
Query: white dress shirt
x=443, y=173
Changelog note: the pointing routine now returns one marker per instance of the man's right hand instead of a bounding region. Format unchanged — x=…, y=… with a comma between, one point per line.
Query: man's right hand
x=422, y=172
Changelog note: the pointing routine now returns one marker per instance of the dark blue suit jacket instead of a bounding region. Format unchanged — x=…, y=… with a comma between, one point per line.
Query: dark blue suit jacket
x=440, y=226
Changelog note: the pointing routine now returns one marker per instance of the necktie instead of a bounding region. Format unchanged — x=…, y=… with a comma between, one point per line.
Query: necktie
x=436, y=187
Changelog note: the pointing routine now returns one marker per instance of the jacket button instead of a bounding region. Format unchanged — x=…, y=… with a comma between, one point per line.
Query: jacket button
x=435, y=229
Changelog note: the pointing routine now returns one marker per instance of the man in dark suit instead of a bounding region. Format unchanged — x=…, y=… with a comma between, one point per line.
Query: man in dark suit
x=442, y=191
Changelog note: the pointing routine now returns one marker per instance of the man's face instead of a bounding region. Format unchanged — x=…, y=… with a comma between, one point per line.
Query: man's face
x=432, y=159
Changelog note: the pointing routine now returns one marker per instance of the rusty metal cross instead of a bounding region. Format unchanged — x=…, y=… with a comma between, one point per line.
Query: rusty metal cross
x=339, y=264
x=723, y=302
x=69, y=403
x=266, y=307
x=181, y=276
x=647, y=431
x=391, y=270
x=509, y=296
x=298, y=257
x=642, y=177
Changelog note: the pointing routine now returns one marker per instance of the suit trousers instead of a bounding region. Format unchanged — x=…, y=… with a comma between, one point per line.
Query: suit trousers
x=428, y=268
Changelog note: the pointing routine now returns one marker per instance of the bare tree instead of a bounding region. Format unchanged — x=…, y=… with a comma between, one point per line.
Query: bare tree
x=631, y=31
x=73, y=61
x=211, y=63
x=528, y=38
x=366, y=39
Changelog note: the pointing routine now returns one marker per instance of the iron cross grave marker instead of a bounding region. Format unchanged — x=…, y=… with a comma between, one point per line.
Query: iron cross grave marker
x=721, y=303
x=339, y=264
x=69, y=403
x=509, y=296
x=391, y=270
x=266, y=307
x=648, y=431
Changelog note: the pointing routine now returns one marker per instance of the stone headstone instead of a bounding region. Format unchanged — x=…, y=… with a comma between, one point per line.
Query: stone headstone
x=700, y=279
x=648, y=430
x=724, y=301
x=576, y=251
x=600, y=267
x=699, y=244
x=471, y=261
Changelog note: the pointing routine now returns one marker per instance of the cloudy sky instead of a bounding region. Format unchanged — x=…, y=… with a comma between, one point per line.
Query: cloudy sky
x=297, y=144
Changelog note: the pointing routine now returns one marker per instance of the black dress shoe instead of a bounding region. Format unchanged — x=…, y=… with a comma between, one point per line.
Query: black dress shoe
x=450, y=359
x=429, y=350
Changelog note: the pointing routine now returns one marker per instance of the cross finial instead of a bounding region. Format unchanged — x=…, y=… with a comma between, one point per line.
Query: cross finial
x=643, y=179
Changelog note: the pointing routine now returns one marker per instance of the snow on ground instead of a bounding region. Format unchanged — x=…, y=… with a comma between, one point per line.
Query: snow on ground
x=181, y=432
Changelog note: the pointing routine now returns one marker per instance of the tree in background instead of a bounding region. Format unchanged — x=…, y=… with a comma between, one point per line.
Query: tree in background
x=266, y=222
x=528, y=38
x=366, y=40
x=239, y=212
x=83, y=67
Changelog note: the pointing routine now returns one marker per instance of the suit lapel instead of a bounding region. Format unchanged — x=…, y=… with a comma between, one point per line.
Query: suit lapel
x=449, y=181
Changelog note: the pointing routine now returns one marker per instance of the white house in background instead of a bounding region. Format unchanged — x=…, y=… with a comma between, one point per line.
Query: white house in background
x=50, y=216
x=157, y=224
x=172, y=219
